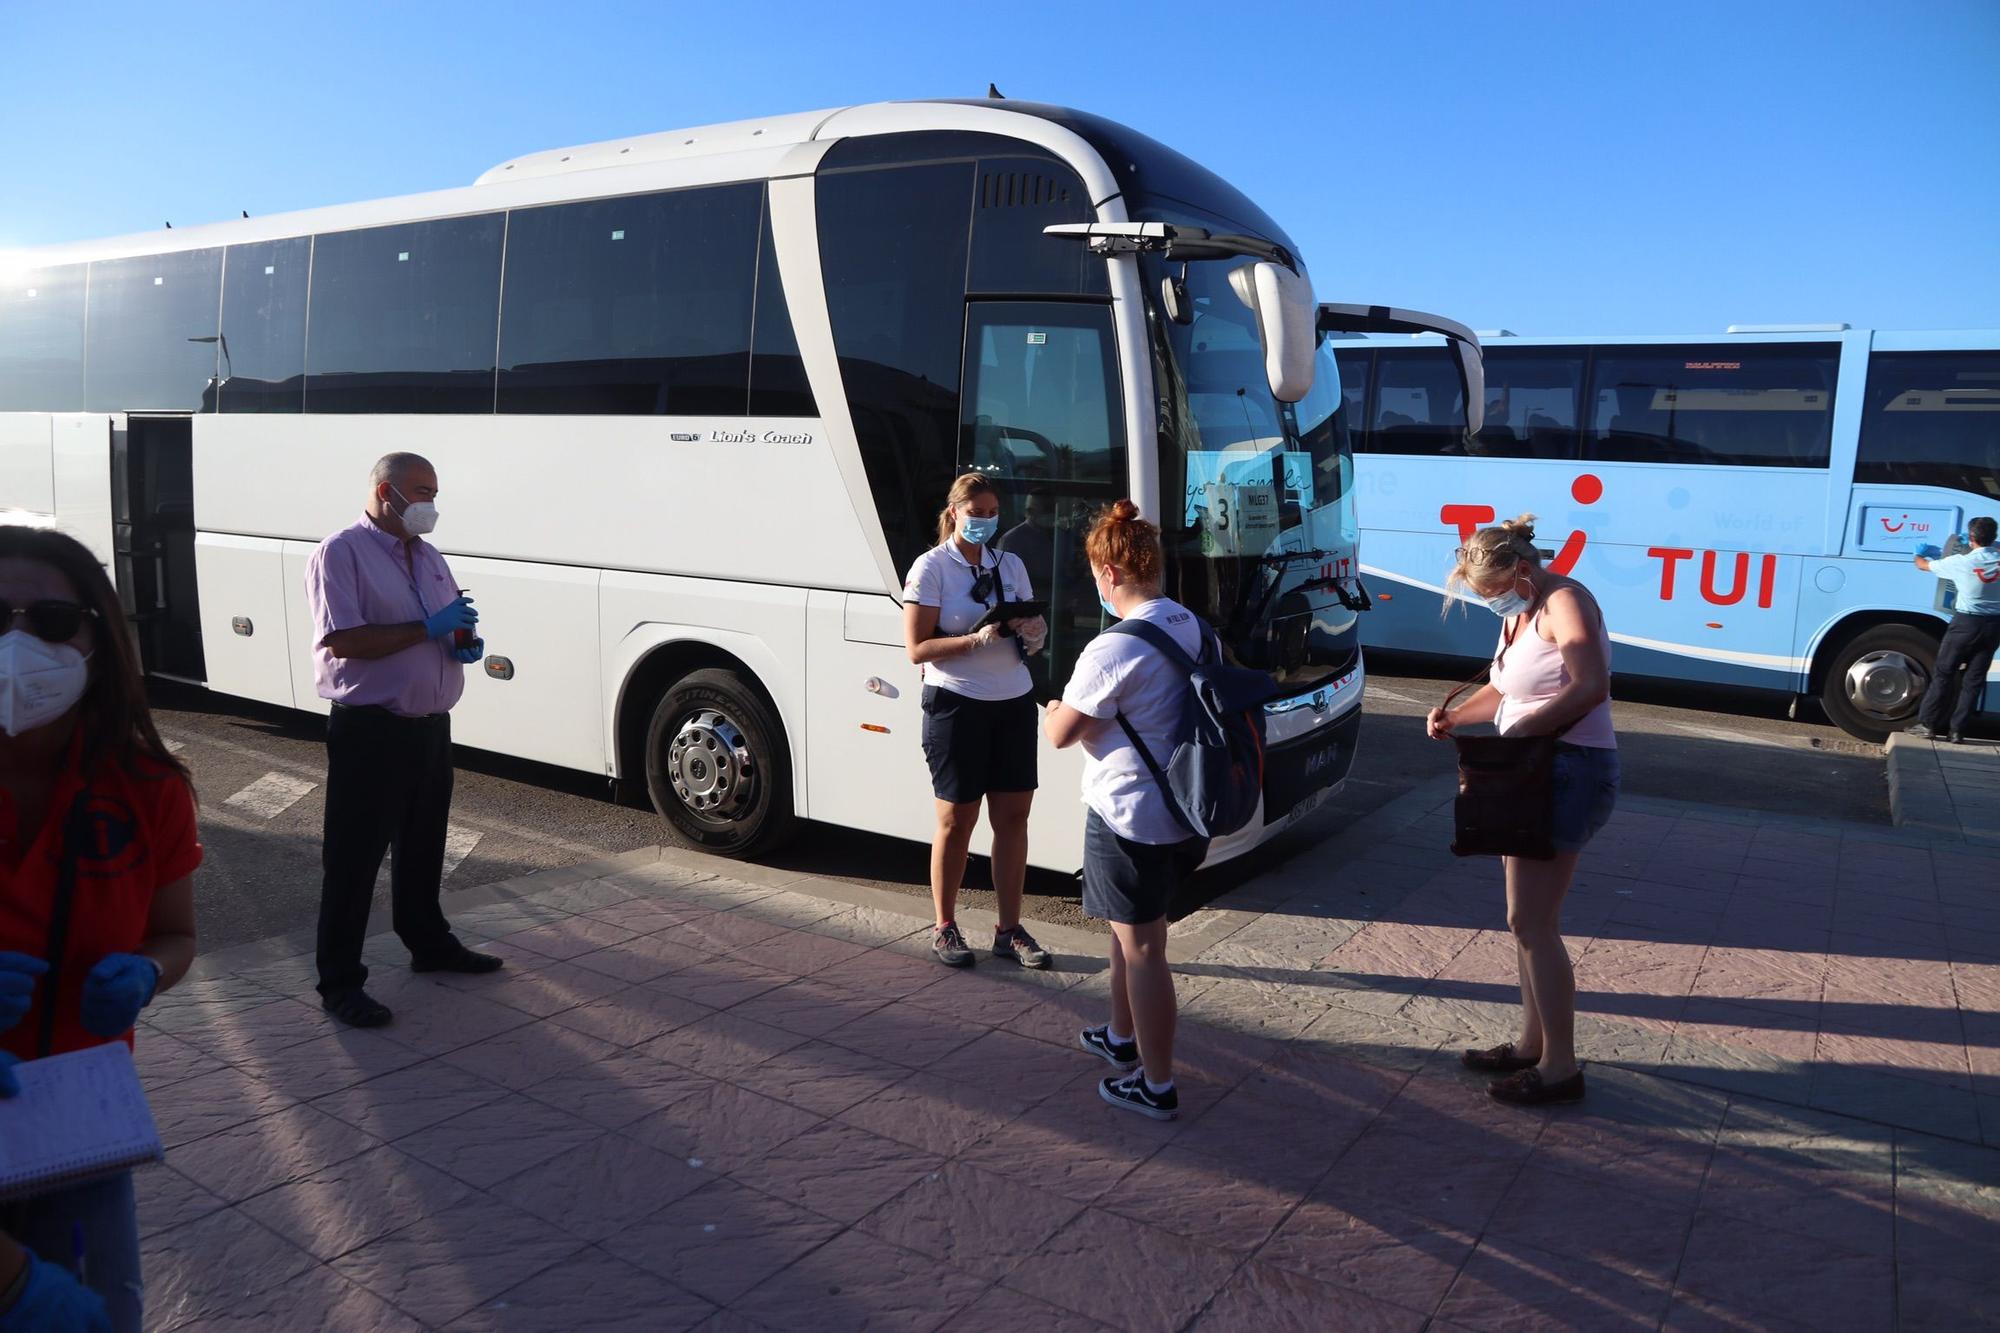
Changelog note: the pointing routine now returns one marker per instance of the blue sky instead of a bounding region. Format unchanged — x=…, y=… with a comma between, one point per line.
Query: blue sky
x=1548, y=167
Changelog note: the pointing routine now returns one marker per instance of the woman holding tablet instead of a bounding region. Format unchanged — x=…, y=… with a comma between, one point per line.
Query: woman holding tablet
x=979, y=710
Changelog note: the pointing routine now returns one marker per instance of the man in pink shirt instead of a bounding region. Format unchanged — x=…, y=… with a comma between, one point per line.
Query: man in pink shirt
x=393, y=636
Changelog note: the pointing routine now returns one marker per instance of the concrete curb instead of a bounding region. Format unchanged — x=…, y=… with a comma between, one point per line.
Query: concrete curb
x=1945, y=790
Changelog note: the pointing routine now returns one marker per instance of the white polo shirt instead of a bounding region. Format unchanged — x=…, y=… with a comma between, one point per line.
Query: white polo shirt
x=942, y=578
x=1118, y=673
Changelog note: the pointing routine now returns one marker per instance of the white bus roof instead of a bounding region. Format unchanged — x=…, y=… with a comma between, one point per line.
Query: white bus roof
x=672, y=159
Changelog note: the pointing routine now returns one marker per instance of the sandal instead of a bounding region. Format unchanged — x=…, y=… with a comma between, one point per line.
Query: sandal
x=1496, y=1060
x=1527, y=1089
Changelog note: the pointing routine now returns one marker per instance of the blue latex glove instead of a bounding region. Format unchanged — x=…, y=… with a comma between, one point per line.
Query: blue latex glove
x=470, y=656
x=9, y=1085
x=454, y=615
x=116, y=990
x=55, y=1302
x=18, y=972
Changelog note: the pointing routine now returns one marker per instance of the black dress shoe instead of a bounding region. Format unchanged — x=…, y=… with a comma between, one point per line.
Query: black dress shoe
x=357, y=1009
x=457, y=959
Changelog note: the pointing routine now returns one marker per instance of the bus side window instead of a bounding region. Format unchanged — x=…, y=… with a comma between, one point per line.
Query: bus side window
x=1736, y=405
x=263, y=345
x=152, y=330
x=1419, y=404
x=403, y=317
x=1932, y=419
x=41, y=340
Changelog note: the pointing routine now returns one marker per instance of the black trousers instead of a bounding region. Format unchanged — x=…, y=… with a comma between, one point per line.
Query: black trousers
x=388, y=789
x=1969, y=642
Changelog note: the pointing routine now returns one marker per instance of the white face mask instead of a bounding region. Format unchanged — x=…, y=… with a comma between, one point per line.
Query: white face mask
x=39, y=681
x=418, y=517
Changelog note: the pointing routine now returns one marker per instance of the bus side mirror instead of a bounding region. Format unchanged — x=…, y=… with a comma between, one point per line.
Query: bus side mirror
x=1463, y=342
x=1286, y=314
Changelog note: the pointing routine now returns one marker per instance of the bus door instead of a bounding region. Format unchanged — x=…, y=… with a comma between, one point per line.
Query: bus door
x=152, y=529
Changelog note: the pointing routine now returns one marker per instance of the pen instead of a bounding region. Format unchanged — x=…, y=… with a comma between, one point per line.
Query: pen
x=76, y=1249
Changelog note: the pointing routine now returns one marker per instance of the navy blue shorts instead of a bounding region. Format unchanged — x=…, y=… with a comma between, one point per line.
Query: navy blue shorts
x=1586, y=792
x=1133, y=883
x=976, y=746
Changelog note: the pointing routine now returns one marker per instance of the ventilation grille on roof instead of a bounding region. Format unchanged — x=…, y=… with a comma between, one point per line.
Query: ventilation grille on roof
x=1019, y=189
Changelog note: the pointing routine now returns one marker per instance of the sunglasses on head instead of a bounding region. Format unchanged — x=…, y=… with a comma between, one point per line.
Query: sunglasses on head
x=50, y=621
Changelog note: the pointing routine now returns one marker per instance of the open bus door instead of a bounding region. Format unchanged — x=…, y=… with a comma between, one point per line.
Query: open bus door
x=152, y=530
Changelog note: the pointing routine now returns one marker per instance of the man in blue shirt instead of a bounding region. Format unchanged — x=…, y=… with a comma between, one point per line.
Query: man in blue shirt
x=1970, y=640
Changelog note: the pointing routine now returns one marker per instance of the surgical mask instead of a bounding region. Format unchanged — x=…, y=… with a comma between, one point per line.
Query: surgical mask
x=978, y=531
x=1109, y=609
x=419, y=517
x=39, y=681
x=1508, y=603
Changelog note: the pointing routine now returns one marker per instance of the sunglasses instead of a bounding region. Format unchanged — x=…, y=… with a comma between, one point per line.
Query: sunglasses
x=51, y=621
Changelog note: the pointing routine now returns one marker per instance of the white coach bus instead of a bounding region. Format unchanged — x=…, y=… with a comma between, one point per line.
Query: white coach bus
x=695, y=399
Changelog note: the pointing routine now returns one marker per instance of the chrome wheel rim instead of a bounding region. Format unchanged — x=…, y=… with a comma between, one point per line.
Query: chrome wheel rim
x=711, y=768
x=1886, y=685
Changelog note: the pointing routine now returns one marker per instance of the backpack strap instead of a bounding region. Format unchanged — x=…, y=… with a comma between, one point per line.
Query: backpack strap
x=1159, y=639
x=1152, y=635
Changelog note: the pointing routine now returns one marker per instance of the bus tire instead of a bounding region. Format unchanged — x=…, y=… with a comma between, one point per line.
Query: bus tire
x=717, y=768
x=1875, y=682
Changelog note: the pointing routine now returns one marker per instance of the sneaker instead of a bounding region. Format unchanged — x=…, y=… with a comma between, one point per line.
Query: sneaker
x=1132, y=1093
x=949, y=946
x=1118, y=1054
x=1921, y=732
x=1956, y=738
x=1020, y=946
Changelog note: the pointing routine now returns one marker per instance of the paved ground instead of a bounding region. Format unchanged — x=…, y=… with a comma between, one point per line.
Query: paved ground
x=728, y=1097
x=260, y=771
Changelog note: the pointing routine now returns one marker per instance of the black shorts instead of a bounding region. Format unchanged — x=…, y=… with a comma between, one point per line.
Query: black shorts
x=977, y=746
x=1133, y=883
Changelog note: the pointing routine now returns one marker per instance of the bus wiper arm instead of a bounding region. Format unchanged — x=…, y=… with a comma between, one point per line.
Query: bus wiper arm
x=1170, y=240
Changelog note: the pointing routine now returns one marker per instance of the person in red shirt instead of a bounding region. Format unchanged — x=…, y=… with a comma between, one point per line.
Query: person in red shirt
x=98, y=850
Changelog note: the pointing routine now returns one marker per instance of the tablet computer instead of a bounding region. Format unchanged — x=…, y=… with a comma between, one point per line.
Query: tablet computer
x=1007, y=611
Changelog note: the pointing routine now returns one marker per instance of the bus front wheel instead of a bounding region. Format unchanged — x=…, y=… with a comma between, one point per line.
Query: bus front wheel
x=716, y=766
x=1875, y=682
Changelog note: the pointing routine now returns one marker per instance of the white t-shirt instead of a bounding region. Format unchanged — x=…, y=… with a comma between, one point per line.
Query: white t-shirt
x=942, y=578
x=1118, y=673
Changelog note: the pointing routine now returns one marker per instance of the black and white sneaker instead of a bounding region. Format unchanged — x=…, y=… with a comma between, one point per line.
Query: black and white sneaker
x=1132, y=1093
x=1118, y=1054
x=949, y=947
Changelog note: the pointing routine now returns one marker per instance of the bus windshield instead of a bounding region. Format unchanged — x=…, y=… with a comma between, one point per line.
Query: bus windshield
x=1252, y=488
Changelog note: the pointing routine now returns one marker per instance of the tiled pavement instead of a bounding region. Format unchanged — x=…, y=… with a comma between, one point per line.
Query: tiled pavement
x=752, y=1102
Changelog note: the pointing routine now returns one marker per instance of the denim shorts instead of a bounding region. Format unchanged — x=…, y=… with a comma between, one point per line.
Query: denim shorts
x=1586, y=792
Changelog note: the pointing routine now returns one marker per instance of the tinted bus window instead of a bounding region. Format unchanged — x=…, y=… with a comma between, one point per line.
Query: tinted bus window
x=1419, y=403
x=893, y=249
x=263, y=351
x=1932, y=419
x=146, y=315
x=1355, y=364
x=1531, y=402
x=403, y=317
x=1761, y=405
x=1017, y=198
x=639, y=305
x=778, y=384
x=41, y=340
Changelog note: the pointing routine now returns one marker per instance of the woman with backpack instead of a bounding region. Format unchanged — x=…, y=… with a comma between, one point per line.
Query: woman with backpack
x=1551, y=677
x=1136, y=850
x=979, y=712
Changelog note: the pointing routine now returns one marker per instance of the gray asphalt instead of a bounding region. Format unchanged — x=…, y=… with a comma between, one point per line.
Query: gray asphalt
x=261, y=875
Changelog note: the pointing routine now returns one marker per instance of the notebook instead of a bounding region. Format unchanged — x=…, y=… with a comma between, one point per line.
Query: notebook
x=78, y=1116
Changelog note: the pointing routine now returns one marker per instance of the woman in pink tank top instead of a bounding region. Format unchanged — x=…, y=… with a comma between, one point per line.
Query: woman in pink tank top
x=1551, y=676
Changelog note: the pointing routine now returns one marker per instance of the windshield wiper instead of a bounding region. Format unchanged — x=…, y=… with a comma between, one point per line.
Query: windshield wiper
x=1171, y=240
